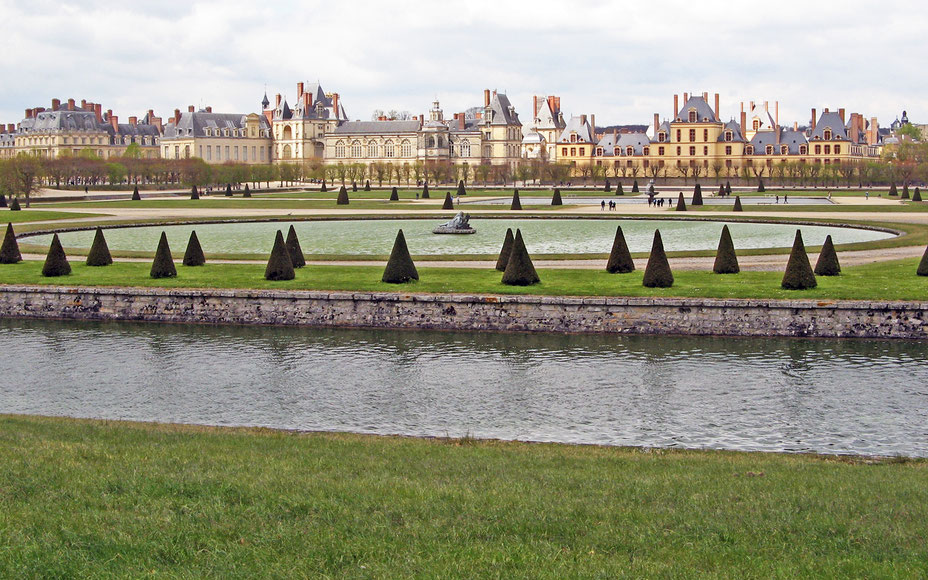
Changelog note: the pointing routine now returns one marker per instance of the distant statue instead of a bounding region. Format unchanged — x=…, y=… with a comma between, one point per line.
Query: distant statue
x=459, y=224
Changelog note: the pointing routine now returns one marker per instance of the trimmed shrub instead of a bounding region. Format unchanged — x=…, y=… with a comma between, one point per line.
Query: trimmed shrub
x=461, y=190
x=247, y=191
x=425, y=190
x=99, y=254
x=923, y=265
x=9, y=251
x=400, y=268
x=135, y=194
x=519, y=270
x=323, y=189
x=620, y=259
x=394, y=195
x=618, y=189
x=798, y=274
x=556, y=198
x=721, y=191
x=827, y=263
x=760, y=186
x=697, y=195
x=681, y=205
x=449, y=202
x=342, y=196
x=917, y=196
x=194, y=194
x=608, y=187
x=163, y=265
x=14, y=206
x=635, y=186
x=727, y=188
x=193, y=256
x=279, y=267
x=726, y=261
x=892, y=190
x=56, y=263
x=296, y=251
x=505, y=251
x=228, y=190
x=516, y=203
x=354, y=186
x=905, y=191
x=657, y=273
x=2, y=200
x=367, y=185
x=737, y=204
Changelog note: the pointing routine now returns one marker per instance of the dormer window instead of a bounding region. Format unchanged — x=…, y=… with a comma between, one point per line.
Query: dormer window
x=803, y=149
x=784, y=149
x=692, y=116
x=599, y=151
x=827, y=134
x=629, y=151
x=756, y=124
x=661, y=137
x=769, y=149
x=728, y=135
x=749, y=150
x=617, y=151
x=573, y=137
x=647, y=151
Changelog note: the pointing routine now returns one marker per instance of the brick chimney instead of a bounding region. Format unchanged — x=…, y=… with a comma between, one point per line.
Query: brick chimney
x=814, y=119
x=657, y=124
x=98, y=111
x=134, y=121
x=191, y=108
x=716, y=106
x=676, y=105
x=28, y=113
x=593, y=127
x=209, y=109
x=299, y=91
x=841, y=114
x=277, y=101
x=705, y=96
x=83, y=104
x=486, y=97
x=114, y=121
x=461, y=121
x=776, y=113
x=176, y=116
x=335, y=104
x=308, y=99
x=56, y=104
x=534, y=106
x=70, y=104
x=744, y=123
x=686, y=97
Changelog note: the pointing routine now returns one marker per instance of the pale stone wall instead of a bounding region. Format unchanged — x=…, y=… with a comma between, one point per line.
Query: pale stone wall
x=852, y=319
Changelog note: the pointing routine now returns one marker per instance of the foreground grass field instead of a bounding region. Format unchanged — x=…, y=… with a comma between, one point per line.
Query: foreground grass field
x=894, y=280
x=108, y=499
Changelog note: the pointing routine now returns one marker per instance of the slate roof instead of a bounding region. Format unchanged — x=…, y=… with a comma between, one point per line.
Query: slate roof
x=830, y=120
x=376, y=127
x=735, y=128
x=193, y=124
x=703, y=111
x=62, y=120
x=582, y=129
x=503, y=111
x=637, y=141
x=792, y=139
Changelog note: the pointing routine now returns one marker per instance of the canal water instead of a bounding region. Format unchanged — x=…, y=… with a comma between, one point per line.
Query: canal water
x=829, y=396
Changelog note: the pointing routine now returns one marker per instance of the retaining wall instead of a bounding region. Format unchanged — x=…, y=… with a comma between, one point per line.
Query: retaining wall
x=696, y=316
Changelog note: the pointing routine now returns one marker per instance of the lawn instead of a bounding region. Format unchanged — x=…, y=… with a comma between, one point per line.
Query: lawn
x=108, y=499
x=895, y=280
x=38, y=215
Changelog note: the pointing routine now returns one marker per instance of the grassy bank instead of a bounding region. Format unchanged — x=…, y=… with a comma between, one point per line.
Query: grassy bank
x=893, y=280
x=36, y=215
x=93, y=498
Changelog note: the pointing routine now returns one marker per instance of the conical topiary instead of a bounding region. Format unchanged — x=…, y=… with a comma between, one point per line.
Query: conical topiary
x=323, y=189
x=608, y=187
x=727, y=188
x=228, y=190
x=505, y=251
x=99, y=254
x=9, y=251
x=135, y=194
x=681, y=205
x=293, y=246
x=697, y=195
x=449, y=202
x=354, y=186
x=923, y=265
x=620, y=259
x=194, y=194
x=519, y=269
x=556, y=198
x=905, y=191
x=14, y=206
x=516, y=203
x=827, y=263
x=657, y=273
x=799, y=274
x=917, y=196
x=2, y=200
x=635, y=186
x=394, y=195
x=193, y=256
x=56, y=263
x=163, y=264
x=367, y=185
x=726, y=261
x=618, y=189
x=400, y=268
x=342, y=196
x=760, y=186
x=247, y=191
x=461, y=190
x=425, y=190
x=279, y=267
x=737, y=204
x=721, y=191
x=892, y=190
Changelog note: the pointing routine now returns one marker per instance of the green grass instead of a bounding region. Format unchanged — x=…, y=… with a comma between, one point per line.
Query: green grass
x=37, y=215
x=895, y=280
x=107, y=499
x=831, y=208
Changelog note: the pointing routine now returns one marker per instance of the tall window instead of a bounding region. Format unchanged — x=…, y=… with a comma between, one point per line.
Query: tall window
x=705, y=134
x=837, y=149
x=661, y=137
x=388, y=149
x=629, y=151
x=818, y=149
x=692, y=151
x=728, y=150
x=827, y=135
x=646, y=151
x=692, y=116
x=692, y=135
x=340, y=149
x=728, y=135
x=372, y=149
x=355, y=149
x=465, y=148
x=406, y=148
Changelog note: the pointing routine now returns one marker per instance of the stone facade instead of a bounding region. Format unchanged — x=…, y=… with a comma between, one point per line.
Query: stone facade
x=692, y=316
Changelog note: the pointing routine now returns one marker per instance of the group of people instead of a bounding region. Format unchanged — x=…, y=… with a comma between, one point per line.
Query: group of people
x=612, y=205
x=656, y=201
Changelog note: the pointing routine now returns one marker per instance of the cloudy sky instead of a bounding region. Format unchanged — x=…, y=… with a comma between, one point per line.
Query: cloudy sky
x=622, y=61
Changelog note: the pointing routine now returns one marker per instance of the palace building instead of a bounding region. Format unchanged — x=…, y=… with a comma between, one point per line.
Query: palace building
x=217, y=137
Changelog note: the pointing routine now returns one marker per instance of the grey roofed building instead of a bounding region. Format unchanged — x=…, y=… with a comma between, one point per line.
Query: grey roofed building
x=704, y=112
x=195, y=125
x=62, y=120
x=580, y=127
x=829, y=120
x=637, y=141
x=793, y=140
x=735, y=129
x=503, y=111
x=376, y=127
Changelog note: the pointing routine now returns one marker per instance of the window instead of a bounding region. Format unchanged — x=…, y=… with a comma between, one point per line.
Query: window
x=616, y=151
x=227, y=152
x=406, y=148
x=705, y=150
x=749, y=150
x=827, y=135
x=465, y=148
x=837, y=149
x=646, y=151
x=629, y=151
x=262, y=151
x=209, y=152
x=678, y=135
x=756, y=124
x=693, y=116
x=430, y=141
x=388, y=149
x=784, y=149
x=340, y=149
x=235, y=152
x=254, y=153
x=660, y=150
x=705, y=134
x=355, y=149
x=803, y=149
x=661, y=137
x=372, y=149
x=599, y=151
x=573, y=151
x=827, y=149
x=582, y=151
x=728, y=150
x=728, y=135
x=678, y=151
x=818, y=149
x=692, y=135
x=769, y=149
x=564, y=151
x=692, y=151
x=573, y=137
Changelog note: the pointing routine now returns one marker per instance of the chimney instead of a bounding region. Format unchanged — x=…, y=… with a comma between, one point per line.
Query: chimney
x=415, y=117
x=752, y=107
x=134, y=121
x=191, y=108
x=744, y=123
x=176, y=116
x=676, y=105
x=28, y=113
x=825, y=110
x=209, y=109
x=486, y=97
x=534, y=106
x=582, y=119
x=841, y=114
x=705, y=97
x=70, y=104
x=657, y=124
x=299, y=90
x=307, y=101
x=98, y=110
x=460, y=121
x=156, y=121
x=686, y=97
x=776, y=112
x=11, y=128
x=335, y=104
x=83, y=104
x=795, y=125
x=277, y=101
x=874, y=131
x=593, y=126
x=56, y=104
x=814, y=119
x=114, y=121
x=716, y=106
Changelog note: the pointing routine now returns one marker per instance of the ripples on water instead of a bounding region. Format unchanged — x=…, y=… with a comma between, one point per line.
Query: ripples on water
x=867, y=397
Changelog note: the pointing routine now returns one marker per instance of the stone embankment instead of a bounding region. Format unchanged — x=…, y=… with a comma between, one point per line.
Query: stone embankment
x=692, y=316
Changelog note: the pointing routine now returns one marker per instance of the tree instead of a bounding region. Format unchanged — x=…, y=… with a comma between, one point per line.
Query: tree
x=760, y=186
x=367, y=185
x=737, y=204
x=681, y=204
x=9, y=251
x=516, y=203
x=294, y=248
x=461, y=190
x=726, y=261
x=620, y=259
x=56, y=262
x=917, y=196
x=657, y=273
x=635, y=186
x=228, y=190
x=827, y=264
x=556, y=198
x=892, y=190
x=15, y=205
x=194, y=194
x=394, y=195
x=505, y=251
x=923, y=265
x=135, y=193
x=193, y=256
x=279, y=267
x=21, y=175
x=400, y=267
x=163, y=264
x=425, y=190
x=449, y=203
x=99, y=254
x=342, y=196
x=247, y=191
x=519, y=269
x=697, y=195
x=798, y=274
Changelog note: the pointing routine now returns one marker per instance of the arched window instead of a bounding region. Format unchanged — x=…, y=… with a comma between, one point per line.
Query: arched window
x=465, y=148
x=388, y=150
x=692, y=116
x=340, y=149
x=769, y=149
x=288, y=133
x=287, y=151
x=372, y=149
x=355, y=149
x=430, y=141
x=406, y=148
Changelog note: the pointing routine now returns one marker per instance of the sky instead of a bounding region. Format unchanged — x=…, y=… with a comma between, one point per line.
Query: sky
x=618, y=60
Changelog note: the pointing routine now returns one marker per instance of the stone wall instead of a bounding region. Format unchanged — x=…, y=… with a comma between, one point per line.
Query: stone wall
x=696, y=316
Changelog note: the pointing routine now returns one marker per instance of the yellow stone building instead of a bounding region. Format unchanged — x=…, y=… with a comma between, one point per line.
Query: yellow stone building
x=217, y=137
x=299, y=132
